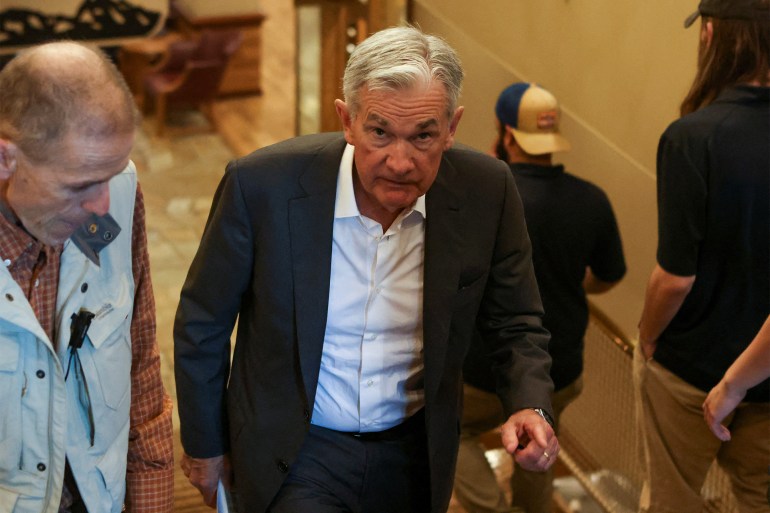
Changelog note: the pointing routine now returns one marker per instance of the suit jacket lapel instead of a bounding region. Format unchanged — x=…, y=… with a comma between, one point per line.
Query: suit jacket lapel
x=311, y=220
x=442, y=271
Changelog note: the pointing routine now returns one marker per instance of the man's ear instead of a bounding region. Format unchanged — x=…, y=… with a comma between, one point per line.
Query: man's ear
x=347, y=121
x=458, y=114
x=8, y=152
x=508, y=138
x=513, y=148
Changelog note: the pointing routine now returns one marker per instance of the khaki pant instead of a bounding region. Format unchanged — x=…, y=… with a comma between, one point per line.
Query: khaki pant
x=679, y=448
x=475, y=484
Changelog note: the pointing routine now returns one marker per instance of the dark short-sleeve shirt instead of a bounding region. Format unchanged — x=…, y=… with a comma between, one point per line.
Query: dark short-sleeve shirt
x=714, y=224
x=572, y=226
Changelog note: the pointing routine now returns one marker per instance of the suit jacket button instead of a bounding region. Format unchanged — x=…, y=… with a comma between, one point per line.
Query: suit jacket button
x=306, y=415
x=283, y=466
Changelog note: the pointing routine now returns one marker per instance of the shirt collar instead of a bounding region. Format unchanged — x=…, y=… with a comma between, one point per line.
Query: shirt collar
x=15, y=241
x=94, y=235
x=90, y=238
x=345, y=203
x=744, y=93
x=537, y=170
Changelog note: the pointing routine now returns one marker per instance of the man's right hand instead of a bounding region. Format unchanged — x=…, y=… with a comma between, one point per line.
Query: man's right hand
x=205, y=473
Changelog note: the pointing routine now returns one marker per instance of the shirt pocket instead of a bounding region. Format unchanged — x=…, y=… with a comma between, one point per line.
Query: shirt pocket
x=111, y=356
x=112, y=468
x=107, y=351
x=471, y=289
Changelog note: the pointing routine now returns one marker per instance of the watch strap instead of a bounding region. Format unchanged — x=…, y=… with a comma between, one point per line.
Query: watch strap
x=544, y=414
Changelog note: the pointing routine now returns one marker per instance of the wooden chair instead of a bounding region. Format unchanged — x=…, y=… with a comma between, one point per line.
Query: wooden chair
x=190, y=74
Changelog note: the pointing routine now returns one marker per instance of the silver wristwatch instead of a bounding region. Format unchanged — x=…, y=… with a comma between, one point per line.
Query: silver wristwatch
x=544, y=414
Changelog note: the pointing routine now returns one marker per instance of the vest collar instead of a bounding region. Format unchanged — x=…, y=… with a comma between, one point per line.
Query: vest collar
x=95, y=234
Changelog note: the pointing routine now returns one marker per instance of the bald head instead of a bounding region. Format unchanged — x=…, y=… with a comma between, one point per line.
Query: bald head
x=55, y=88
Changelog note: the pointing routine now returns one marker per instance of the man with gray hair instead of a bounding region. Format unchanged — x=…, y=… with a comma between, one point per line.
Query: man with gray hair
x=85, y=424
x=358, y=265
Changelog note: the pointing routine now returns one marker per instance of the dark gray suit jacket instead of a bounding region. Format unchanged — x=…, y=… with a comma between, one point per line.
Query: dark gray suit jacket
x=265, y=259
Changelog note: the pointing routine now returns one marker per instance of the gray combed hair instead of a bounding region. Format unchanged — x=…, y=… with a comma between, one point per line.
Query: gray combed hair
x=398, y=58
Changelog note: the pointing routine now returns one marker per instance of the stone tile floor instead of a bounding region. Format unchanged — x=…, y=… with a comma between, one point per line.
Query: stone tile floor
x=180, y=172
x=178, y=177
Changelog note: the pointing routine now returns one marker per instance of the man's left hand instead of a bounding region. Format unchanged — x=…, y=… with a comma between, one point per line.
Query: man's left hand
x=531, y=440
x=205, y=474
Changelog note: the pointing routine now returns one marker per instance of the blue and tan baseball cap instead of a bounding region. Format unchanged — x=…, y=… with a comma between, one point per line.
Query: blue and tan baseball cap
x=731, y=10
x=532, y=114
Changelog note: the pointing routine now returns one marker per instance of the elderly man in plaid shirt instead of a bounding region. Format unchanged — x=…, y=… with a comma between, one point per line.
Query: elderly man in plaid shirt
x=85, y=424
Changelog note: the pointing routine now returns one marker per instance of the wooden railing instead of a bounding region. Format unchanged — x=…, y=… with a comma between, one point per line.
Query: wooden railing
x=598, y=435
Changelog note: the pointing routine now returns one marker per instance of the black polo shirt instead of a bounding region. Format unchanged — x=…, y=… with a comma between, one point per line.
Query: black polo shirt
x=714, y=223
x=572, y=226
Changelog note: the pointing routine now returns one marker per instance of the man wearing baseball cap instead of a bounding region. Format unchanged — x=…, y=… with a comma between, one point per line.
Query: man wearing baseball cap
x=576, y=249
x=709, y=292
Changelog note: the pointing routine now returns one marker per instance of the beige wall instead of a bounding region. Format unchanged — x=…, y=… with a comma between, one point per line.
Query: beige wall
x=618, y=67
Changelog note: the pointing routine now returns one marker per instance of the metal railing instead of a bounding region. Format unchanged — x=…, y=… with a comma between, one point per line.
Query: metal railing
x=598, y=435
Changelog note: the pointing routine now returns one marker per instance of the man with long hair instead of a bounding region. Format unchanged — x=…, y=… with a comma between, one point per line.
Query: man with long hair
x=710, y=290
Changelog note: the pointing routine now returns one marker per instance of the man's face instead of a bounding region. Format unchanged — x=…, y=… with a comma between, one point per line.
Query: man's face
x=399, y=138
x=53, y=200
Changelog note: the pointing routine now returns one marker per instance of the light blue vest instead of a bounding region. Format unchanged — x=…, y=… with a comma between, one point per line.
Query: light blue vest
x=44, y=419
